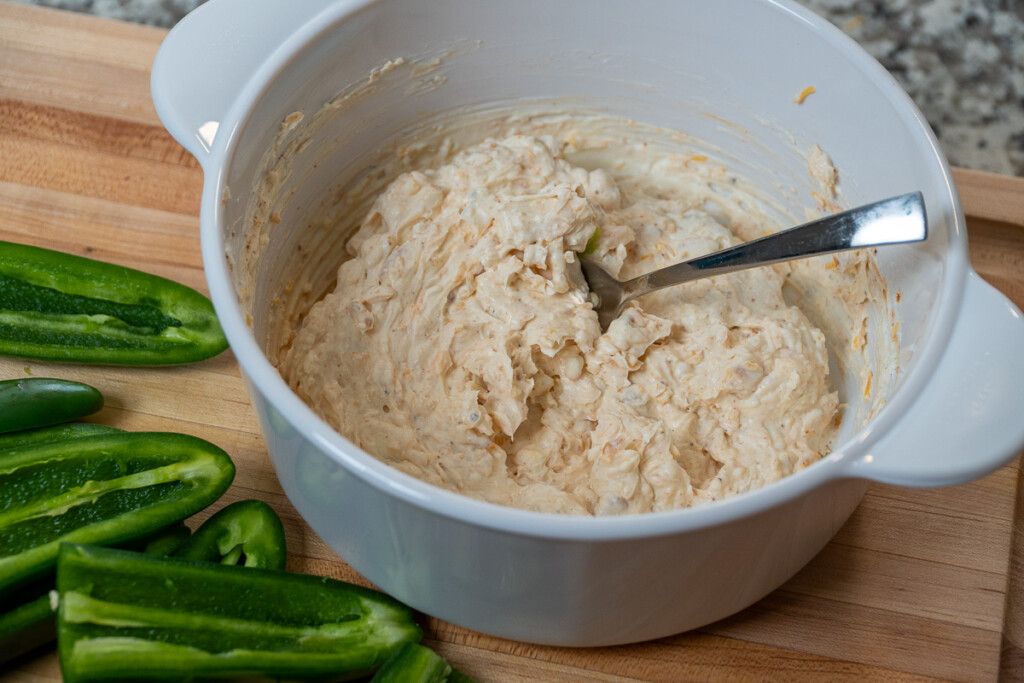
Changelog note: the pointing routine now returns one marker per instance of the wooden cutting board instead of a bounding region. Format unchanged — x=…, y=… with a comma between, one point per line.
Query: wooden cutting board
x=919, y=585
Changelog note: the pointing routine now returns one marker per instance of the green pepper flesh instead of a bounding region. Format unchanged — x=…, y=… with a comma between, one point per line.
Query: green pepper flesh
x=27, y=619
x=55, y=433
x=28, y=616
x=62, y=307
x=133, y=616
x=105, y=489
x=413, y=663
x=246, y=532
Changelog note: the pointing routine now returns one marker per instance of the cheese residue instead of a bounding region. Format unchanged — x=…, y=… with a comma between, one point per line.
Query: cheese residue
x=809, y=90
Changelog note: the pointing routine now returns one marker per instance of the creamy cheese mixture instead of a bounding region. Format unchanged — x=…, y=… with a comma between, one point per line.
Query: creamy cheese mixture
x=456, y=347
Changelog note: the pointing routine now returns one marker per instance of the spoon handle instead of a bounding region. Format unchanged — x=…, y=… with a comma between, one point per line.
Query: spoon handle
x=890, y=221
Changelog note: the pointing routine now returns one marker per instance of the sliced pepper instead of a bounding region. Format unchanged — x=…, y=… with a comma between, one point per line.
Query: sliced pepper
x=61, y=307
x=247, y=533
x=413, y=663
x=28, y=616
x=105, y=489
x=63, y=432
x=132, y=616
x=43, y=401
x=27, y=619
x=164, y=542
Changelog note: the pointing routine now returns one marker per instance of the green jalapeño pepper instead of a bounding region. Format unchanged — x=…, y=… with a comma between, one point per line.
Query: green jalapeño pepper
x=41, y=401
x=28, y=615
x=27, y=619
x=247, y=533
x=62, y=432
x=131, y=616
x=163, y=542
x=105, y=489
x=413, y=663
x=61, y=307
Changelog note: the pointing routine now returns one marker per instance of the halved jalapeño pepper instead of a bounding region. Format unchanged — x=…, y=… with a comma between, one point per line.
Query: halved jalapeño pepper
x=57, y=306
x=105, y=489
x=27, y=619
x=247, y=533
x=126, y=615
x=62, y=432
x=414, y=663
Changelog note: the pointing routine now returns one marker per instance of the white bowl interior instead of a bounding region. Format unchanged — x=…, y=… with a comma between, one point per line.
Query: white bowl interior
x=689, y=65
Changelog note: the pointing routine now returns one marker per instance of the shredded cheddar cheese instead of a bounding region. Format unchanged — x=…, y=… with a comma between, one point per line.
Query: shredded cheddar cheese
x=809, y=90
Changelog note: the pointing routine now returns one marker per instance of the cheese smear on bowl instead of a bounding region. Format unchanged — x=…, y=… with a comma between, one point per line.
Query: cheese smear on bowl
x=456, y=347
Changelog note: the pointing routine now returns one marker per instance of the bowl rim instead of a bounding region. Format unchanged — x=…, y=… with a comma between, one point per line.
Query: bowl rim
x=264, y=378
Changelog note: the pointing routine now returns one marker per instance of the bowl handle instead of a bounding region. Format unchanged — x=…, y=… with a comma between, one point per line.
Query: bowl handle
x=969, y=420
x=208, y=57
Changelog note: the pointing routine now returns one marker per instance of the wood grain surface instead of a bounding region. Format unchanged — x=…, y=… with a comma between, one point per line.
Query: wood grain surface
x=919, y=584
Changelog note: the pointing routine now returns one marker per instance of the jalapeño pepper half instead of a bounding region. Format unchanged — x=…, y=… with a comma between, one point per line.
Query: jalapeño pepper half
x=26, y=615
x=61, y=307
x=130, y=616
x=247, y=533
x=34, y=437
x=27, y=618
x=413, y=663
x=104, y=489
x=41, y=401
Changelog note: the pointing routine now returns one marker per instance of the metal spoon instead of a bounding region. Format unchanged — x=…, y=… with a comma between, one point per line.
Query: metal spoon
x=891, y=221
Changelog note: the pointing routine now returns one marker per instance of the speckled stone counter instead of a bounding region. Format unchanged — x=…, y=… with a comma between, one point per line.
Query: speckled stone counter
x=962, y=62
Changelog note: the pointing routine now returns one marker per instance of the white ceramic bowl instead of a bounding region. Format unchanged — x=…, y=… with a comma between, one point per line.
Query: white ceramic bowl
x=229, y=74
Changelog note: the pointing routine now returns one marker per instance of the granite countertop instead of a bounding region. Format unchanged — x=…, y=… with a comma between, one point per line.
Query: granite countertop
x=962, y=62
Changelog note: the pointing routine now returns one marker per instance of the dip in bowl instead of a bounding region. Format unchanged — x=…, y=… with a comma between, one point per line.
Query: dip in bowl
x=333, y=88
